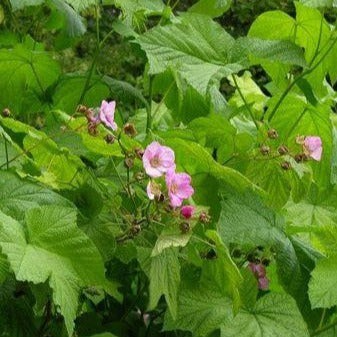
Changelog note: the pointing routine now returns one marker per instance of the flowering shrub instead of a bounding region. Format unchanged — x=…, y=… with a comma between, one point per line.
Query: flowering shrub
x=201, y=202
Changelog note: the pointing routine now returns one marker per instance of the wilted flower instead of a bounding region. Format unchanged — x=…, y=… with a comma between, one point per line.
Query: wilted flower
x=313, y=147
x=179, y=187
x=153, y=190
x=158, y=159
x=187, y=211
x=259, y=271
x=107, y=114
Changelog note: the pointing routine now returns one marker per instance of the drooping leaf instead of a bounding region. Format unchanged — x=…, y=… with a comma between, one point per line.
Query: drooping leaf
x=165, y=279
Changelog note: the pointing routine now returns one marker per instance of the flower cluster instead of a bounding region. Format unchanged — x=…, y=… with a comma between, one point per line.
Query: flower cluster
x=159, y=160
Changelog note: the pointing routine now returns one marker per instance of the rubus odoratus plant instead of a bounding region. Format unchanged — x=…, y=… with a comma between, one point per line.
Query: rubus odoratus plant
x=200, y=200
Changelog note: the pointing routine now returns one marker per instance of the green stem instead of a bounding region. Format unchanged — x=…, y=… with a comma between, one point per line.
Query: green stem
x=296, y=123
x=324, y=328
x=149, y=108
x=6, y=150
x=245, y=102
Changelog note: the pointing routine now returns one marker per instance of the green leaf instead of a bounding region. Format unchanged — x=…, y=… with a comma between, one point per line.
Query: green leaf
x=18, y=4
x=58, y=166
x=78, y=5
x=225, y=272
x=4, y=268
x=319, y=3
x=135, y=11
x=18, y=195
x=285, y=52
x=212, y=8
x=16, y=314
x=318, y=209
x=72, y=20
x=170, y=237
x=273, y=315
x=323, y=283
x=197, y=47
x=55, y=250
x=245, y=220
x=25, y=72
x=165, y=279
x=201, y=310
x=69, y=90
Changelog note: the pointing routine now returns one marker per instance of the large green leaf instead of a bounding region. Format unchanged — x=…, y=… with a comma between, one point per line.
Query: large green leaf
x=197, y=47
x=25, y=72
x=245, y=220
x=54, y=250
x=201, y=310
x=273, y=315
x=19, y=195
x=165, y=279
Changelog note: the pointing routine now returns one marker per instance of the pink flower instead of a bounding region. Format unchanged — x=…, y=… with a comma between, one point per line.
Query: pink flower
x=187, y=211
x=259, y=271
x=179, y=187
x=313, y=147
x=158, y=159
x=107, y=114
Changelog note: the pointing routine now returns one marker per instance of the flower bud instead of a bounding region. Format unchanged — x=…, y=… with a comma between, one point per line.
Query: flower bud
x=204, y=217
x=129, y=162
x=109, y=138
x=82, y=108
x=160, y=197
x=184, y=227
x=272, y=134
x=139, y=153
x=139, y=176
x=6, y=113
x=130, y=130
x=282, y=150
x=286, y=165
x=236, y=253
x=265, y=262
x=301, y=157
x=265, y=149
x=92, y=129
x=187, y=211
x=136, y=229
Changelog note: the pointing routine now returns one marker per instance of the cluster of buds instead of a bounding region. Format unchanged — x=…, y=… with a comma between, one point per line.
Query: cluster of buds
x=311, y=148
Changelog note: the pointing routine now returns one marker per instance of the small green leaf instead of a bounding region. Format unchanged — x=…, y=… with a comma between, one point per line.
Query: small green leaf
x=323, y=283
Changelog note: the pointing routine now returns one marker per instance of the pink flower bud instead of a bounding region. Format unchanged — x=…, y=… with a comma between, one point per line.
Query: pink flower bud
x=187, y=211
